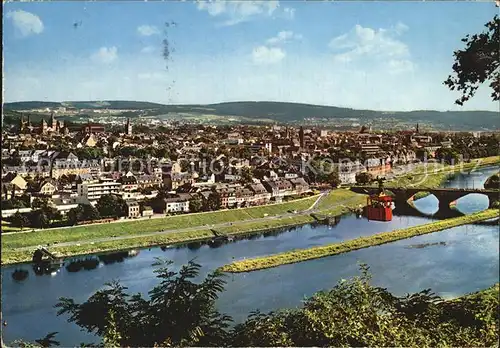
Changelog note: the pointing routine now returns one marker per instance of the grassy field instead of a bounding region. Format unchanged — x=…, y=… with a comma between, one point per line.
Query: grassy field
x=339, y=196
x=434, y=174
x=127, y=228
x=85, y=234
x=10, y=256
x=301, y=255
x=259, y=226
x=6, y=227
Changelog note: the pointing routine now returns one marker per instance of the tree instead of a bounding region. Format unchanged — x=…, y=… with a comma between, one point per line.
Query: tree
x=422, y=154
x=447, y=155
x=13, y=203
x=213, y=201
x=13, y=160
x=48, y=341
x=39, y=219
x=44, y=206
x=177, y=312
x=83, y=212
x=39, y=203
x=246, y=175
x=364, y=178
x=111, y=337
x=89, y=212
x=334, y=178
x=185, y=165
x=476, y=63
x=493, y=182
x=195, y=204
x=111, y=206
x=20, y=220
x=75, y=214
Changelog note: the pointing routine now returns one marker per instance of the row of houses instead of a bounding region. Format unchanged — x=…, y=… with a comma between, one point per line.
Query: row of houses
x=87, y=189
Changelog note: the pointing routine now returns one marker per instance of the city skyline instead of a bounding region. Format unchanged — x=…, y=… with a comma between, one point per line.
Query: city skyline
x=361, y=55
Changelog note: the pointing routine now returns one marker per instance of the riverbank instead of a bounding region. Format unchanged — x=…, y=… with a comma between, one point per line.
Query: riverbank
x=301, y=255
x=83, y=240
x=433, y=175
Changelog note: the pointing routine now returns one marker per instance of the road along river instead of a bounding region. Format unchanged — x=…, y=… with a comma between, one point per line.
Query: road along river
x=451, y=262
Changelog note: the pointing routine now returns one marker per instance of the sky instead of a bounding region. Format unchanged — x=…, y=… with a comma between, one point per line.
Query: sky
x=388, y=55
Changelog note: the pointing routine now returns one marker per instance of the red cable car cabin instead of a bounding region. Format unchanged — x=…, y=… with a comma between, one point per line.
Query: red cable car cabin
x=379, y=207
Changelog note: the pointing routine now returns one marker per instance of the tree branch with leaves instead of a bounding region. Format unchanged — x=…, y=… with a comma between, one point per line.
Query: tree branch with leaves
x=477, y=63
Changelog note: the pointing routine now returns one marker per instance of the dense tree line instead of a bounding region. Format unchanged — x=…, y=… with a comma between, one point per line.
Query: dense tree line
x=41, y=216
x=44, y=215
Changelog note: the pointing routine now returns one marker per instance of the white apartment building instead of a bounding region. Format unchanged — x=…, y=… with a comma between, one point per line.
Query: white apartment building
x=174, y=205
x=348, y=171
x=94, y=191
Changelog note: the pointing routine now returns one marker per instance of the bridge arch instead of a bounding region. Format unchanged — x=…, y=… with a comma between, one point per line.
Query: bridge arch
x=447, y=197
x=472, y=203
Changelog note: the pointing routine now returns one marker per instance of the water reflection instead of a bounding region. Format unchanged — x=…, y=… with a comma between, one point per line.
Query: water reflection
x=87, y=264
x=20, y=275
x=47, y=267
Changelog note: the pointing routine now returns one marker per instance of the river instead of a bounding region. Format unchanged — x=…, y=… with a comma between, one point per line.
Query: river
x=451, y=262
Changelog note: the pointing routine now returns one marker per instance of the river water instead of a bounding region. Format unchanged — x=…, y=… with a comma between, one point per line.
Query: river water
x=451, y=263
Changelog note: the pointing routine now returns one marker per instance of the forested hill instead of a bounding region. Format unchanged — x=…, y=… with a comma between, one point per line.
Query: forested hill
x=109, y=104
x=288, y=112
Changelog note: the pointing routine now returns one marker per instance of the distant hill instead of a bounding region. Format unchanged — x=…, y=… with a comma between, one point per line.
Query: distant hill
x=30, y=105
x=110, y=104
x=291, y=112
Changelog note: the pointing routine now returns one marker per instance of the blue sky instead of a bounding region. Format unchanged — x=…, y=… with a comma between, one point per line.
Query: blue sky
x=376, y=55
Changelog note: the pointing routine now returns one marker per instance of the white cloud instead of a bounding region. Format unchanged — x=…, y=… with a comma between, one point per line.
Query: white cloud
x=214, y=8
x=283, y=37
x=148, y=30
x=398, y=66
x=364, y=45
x=400, y=28
x=267, y=55
x=289, y=12
x=105, y=55
x=151, y=76
x=25, y=22
x=236, y=12
x=148, y=49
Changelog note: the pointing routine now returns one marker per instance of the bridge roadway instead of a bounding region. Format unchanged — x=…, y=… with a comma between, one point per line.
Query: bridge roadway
x=445, y=196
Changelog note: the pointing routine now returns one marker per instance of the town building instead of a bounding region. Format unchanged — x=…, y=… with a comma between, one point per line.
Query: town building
x=93, y=190
x=133, y=209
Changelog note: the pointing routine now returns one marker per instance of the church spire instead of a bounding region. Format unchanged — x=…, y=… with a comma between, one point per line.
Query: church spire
x=21, y=123
x=128, y=129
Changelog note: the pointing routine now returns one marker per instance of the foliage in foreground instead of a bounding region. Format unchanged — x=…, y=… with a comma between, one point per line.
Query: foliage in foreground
x=181, y=312
x=477, y=63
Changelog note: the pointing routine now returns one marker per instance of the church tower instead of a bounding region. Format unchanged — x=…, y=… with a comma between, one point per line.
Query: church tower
x=301, y=137
x=128, y=129
x=53, y=122
x=44, y=127
x=21, y=123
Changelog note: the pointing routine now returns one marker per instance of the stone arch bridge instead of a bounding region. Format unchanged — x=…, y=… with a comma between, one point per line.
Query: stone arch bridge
x=445, y=196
